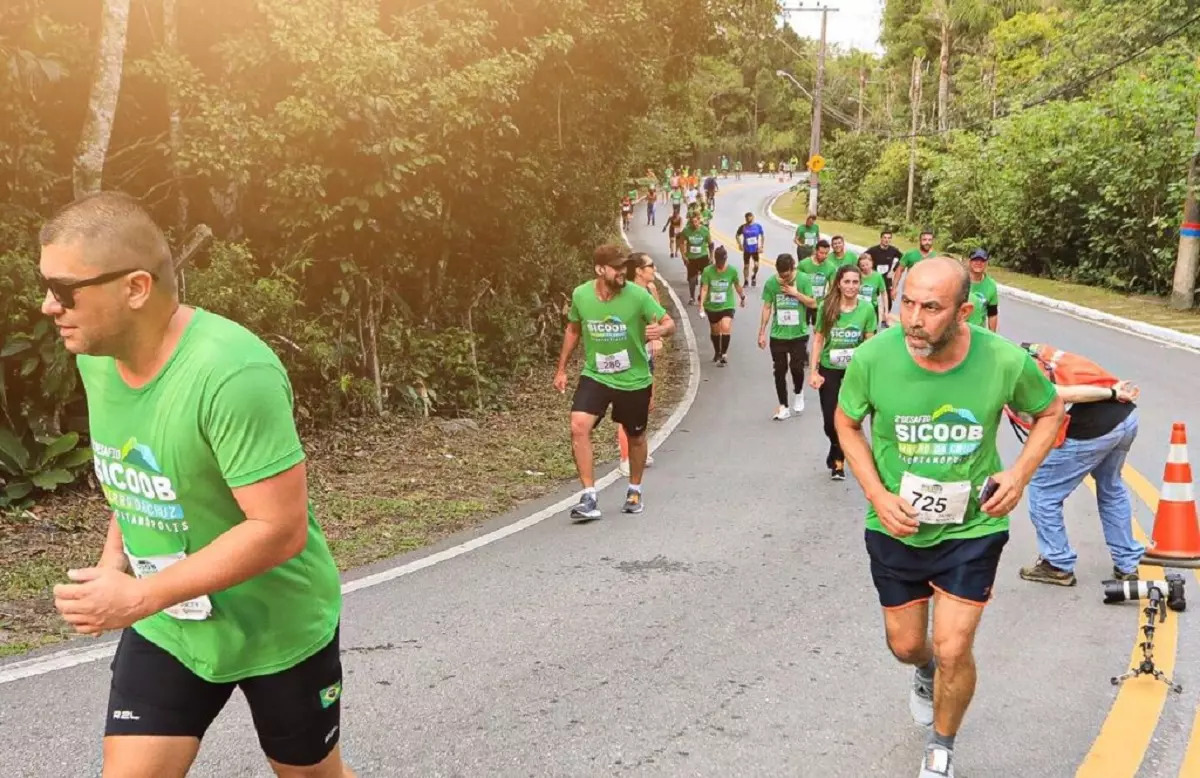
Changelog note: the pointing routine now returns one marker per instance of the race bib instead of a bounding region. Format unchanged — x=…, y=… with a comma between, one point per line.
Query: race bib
x=751, y=243
x=717, y=297
x=787, y=317
x=613, y=363
x=819, y=290
x=936, y=502
x=840, y=357
x=197, y=609
x=810, y=240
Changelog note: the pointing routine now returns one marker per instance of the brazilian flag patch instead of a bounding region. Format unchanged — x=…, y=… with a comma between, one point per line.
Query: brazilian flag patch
x=331, y=694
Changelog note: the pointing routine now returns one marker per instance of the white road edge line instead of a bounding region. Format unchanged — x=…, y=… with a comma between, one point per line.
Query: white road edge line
x=61, y=660
x=1163, y=336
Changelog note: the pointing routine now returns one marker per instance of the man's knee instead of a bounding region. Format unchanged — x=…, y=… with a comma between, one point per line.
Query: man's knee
x=581, y=426
x=953, y=650
x=909, y=646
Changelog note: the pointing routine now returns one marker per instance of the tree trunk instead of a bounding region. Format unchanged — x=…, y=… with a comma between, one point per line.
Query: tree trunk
x=175, y=113
x=102, y=103
x=890, y=86
x=175, y=128
x=914, y=102
x=944, y=79
x=862, y=92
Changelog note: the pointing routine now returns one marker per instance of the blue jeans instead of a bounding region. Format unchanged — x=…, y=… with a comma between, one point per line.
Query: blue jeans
x=1062, y=472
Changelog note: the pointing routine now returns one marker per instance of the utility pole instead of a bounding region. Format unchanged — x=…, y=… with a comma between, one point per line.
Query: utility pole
x=862, y=93
x=914, y=102
x=1183, y=291
x=814, y=141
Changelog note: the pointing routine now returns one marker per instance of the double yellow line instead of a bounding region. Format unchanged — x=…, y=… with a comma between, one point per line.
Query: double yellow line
x=1121, y=745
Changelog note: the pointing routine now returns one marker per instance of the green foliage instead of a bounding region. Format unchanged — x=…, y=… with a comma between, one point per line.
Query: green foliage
x=43, y=463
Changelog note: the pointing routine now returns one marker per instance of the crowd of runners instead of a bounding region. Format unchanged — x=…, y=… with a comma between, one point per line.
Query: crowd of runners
x=902, y=343
x=212, y=531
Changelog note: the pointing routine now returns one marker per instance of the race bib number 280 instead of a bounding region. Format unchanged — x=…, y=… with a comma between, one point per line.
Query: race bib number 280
x=937, y=502
x=613, y=363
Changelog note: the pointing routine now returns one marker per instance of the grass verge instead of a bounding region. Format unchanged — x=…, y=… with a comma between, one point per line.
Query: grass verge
x=1144, y=308
x=379, y=487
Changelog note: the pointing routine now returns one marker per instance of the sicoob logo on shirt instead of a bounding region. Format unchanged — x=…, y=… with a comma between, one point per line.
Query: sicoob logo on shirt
x=136, y=488
x=947, y=436
x=611, y=329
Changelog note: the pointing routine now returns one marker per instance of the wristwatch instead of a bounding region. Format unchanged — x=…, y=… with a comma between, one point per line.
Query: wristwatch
x=1114, y=392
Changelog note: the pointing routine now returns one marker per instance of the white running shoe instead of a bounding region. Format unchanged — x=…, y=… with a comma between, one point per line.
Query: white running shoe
x=649, y=460
x=782, y=414
x=623, y=468
x=938, y=762
x=798, y=405
x=920, y=700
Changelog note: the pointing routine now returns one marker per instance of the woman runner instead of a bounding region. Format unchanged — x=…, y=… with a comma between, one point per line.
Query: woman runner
x=640, y=269
x=844, y=321
x=718, y=283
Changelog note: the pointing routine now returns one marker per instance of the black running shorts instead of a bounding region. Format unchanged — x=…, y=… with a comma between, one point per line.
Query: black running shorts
x=296, y=712
x=630, y=408
x=716, y=316
x=963, y=569
x=696, y=266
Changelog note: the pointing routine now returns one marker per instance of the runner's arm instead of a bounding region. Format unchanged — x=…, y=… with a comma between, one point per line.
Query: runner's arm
x=570, y=341
x=768, y=310
x=814, y=354
x=1124, y=391
x=275, y=530
x=858, y=454
x=113, y=554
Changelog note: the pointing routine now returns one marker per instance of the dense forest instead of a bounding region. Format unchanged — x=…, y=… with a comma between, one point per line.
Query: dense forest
x=400, y=193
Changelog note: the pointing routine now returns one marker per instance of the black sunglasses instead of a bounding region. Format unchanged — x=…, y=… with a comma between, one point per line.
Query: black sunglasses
x=64, y=291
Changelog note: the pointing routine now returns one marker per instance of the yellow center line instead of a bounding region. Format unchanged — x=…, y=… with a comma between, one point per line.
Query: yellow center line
x=1121, y=744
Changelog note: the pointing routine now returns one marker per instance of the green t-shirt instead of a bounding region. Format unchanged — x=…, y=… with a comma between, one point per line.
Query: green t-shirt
x=872, y=287
x=706, y=216
x=943, y=425
x=720, y=285
x=789, y=316
x=822, y=274
x=218, y=416
x=697, y=242
x=847, y=258
x=847, y=334
x=614, y=334
x=808, y=236
x=676, y=196
x=633, y=195
x=983, y=294
x=912, y=257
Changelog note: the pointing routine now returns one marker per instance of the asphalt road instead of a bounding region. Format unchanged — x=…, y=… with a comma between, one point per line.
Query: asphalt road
x=731, y=629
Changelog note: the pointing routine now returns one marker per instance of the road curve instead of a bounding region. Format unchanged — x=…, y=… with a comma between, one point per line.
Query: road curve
x=731, y=629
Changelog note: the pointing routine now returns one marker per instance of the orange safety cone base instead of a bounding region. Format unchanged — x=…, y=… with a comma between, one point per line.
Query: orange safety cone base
x=1167, y=561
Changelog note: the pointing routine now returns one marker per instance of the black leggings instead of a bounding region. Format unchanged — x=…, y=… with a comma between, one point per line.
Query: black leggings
x=829, y=400
x=789, y=354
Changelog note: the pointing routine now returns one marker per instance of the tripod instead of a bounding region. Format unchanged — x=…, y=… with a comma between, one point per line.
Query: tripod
x=1155, y=612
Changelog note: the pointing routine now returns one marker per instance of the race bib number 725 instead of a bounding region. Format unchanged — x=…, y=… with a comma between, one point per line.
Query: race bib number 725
x=937, y=502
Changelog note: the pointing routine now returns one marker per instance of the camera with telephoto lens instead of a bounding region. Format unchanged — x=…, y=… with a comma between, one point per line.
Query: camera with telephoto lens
x=1171, y=588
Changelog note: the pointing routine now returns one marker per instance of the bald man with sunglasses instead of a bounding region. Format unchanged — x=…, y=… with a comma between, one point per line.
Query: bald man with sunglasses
x=214, y=569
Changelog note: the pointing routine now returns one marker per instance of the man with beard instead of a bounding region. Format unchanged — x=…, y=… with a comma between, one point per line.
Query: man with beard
x=939, y=496
x=909, y=259
x=614, y=320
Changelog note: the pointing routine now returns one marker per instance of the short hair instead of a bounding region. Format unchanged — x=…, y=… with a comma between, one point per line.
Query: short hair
x=785, y=263
x=610, y=255
x=837, y=237
x=885, y=232
x=118, y=231
x=822, y=244
x=926, y=232
x=750, y=214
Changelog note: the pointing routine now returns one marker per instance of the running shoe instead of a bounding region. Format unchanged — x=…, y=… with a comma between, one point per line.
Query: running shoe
x=920, y=700
x=586, y=507
x=838, y=472
x=938, y=762
x=798, y=405
x=724, y=360
x=623, y=468
x=782, y=414
x=633, y=502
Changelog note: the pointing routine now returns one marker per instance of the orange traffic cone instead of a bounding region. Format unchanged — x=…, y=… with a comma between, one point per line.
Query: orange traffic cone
x=1176, y=528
